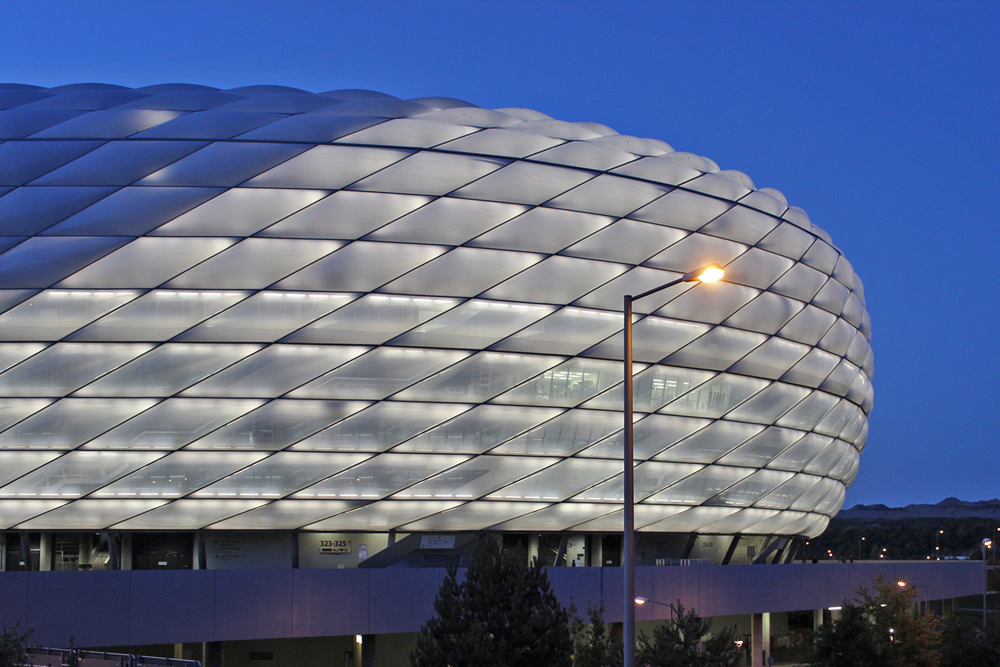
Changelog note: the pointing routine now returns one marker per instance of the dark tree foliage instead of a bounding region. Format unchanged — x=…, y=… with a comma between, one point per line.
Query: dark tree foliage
x=14, y=646
x=880, y=630
x=964, y=643
x=849, y=642
x=680, y=644
x=593, y=645
x=502, y=615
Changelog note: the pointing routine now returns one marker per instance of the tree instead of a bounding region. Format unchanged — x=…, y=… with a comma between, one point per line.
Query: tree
x=502, y=615
x=880, y=630
x=14, y=646
x=593, y=645
x=683, y=643
x=848, y=642
x=964, y=643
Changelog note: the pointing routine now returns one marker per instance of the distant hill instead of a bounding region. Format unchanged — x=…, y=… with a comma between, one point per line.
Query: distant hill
x=949, y=508
x=950, y=529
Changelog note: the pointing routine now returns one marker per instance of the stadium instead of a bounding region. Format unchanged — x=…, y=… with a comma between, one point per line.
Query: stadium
x=231, y=317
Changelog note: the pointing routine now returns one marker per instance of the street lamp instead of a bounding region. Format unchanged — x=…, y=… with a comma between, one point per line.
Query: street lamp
x=673, y=610
x=706, y=274
x=987, y=543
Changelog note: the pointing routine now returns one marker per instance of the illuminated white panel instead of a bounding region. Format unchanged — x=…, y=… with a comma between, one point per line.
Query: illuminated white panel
x=280, y=474
x=189, y=514
x=158, y=315
x=381, y=372
x=566, y=385
x=476, y=478
x=146, y=262
x=274, y=370
x=266, y=317
x=479, y=429
x=239, y=212
x=372, y=319
x=15, y=511
x=479, y=378
x=565, y=435
x=381, y=476
x=557, y=482
x=77, y=473
x=68, y=423
x=650, y=477
x=286, y=514
x=650, y=435
x=64, y=367
x=178, y=474
x=447, y=221
x=477, y=515
x=385, y=515
x=277, y=424
x=167, y=370
x=172, y=423
x=90, y=514
x=557, y=517
x=473, y=325
x=568, y=330
x=53, y=314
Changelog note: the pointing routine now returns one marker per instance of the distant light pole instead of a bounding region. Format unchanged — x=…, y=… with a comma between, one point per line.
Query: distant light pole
x=706, y=274
x=987, y=543
x=860, y=540
x=937, y=544
x=673, y=610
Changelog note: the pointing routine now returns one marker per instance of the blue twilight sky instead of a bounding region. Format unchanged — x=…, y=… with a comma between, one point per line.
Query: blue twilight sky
x=879, y=118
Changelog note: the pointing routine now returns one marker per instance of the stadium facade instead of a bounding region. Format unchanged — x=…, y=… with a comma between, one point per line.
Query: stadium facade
x=262, y=326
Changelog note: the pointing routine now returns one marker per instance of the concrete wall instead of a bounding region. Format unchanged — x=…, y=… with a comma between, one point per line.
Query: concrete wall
x=128, y=608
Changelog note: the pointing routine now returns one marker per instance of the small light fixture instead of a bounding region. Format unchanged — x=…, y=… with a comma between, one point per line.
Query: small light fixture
x=357, y=639
x=706, y=274
x=639, y=600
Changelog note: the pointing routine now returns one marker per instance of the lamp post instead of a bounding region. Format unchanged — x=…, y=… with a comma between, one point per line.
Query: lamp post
x=673, y=609
x=987, y=543
x=705, y=274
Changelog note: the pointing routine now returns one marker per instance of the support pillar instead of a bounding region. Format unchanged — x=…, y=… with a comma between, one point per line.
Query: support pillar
x=817, y=619
x=760, y=639
x=211, y=654
x=368, y=650
x=45, y=552
x=26, y=551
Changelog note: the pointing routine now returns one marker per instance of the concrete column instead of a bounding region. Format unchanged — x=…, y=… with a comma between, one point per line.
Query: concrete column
x=368, y=650
x=198, y=557
x=179, y=651
x=211, y=654
x=26, y=551
x=532, y=547
x=3, y=552
x=126, y=552
x=45, y=552
x=817, y=619
x=760, y=639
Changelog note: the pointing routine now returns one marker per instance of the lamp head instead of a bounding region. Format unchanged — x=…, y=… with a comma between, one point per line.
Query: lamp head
x=706, y=274
x=987, y=543
x=639, y=600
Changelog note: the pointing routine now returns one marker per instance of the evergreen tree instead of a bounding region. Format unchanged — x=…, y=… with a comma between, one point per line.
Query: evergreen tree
x=964, y=643
x=880, y=630
x=14, y=646
x=593, y=645
x=502, y=615
x=848, y=642
x=683, y=643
